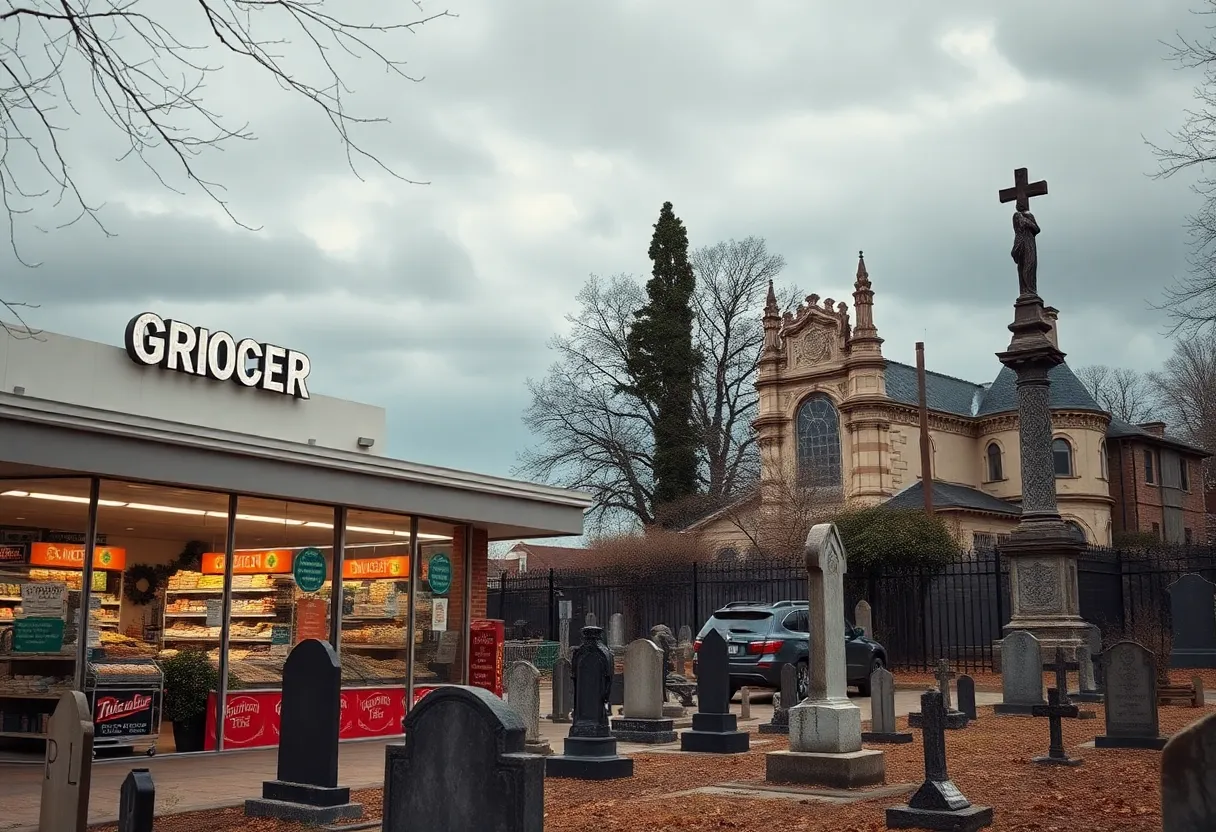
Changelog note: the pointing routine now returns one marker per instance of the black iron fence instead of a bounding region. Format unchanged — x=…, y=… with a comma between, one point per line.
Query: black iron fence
x=919, y=615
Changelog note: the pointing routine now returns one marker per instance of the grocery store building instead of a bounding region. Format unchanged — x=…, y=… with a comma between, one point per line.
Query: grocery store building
x=230, y=512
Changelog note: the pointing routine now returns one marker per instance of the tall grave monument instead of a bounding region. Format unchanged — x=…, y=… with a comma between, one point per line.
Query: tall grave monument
x=590, y=748
x=825, y=729
x=1042, y=551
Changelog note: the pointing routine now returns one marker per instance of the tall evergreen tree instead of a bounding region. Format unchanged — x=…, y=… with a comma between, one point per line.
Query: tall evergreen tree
x=663, y=362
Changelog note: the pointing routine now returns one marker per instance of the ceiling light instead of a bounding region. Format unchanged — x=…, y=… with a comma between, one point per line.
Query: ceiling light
x=316, y=524
x=196, y=512
x=369, y=530
x=15, y=494
x=257, y=518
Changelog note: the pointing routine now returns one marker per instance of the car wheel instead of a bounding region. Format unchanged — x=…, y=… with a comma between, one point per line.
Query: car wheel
x=804, y=682
x=863, y=687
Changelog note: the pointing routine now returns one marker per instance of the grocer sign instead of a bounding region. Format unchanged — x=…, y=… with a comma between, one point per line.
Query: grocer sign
x=153, y=341
x=309, y=569
x=439, y=574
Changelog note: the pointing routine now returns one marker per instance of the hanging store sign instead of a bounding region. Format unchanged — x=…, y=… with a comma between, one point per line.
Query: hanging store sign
x=71, y=556
x=261, y=562
x=439, y=573
x=153, y=341
x=309, y=569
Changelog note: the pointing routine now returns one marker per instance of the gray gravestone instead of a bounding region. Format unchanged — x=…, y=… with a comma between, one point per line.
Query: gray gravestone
x=782, y=702
x=137, y=802
x=1188, y=783
x=590, y=748
x=1093, y=640
x=825, y=729
x=966, y=696
x=589, y=620
x=938, y=803
x=1087, y=684
x=616, y=632
x=954, y=718
x=643, y=719
x=863, y=618
x=1193, y=610
x=68, y=767
x=306, y=788
x=463, y=766
x=563, y=638
x=1021, y=674
x=714, y=728
x=685, y=636
x=882, y=710
x=523, y=697
x=1130, y=671
x=563, y=693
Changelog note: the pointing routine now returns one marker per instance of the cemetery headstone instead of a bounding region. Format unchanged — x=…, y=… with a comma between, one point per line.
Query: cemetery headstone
x=523, y=697
x=563, y=638
x=1060, y=667
x=1197, y=685
x=685, y=636
x=589, y=620
x=67, y=769
x=1093, y=640
x=825, y=729
x=306, y=788
x=563, y=691
x=590, y=751
x=1087, y=684
x=616, y=633
x=745, y=703
x=715, y=729
x=938, y=803
x=785, y=699
x=863, y=618
x=1188, y=789
x=1193, y=609
x=954, y=718
x=966, y=696
x=463, y=766
x=643, y=719
x=137, y=802
x=1055, y=710
x=684, y=649
x=1130, y=671
x=1021, y=674
x=882, y=710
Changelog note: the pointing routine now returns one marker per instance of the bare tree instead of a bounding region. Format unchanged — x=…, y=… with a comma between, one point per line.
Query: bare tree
x=777, y=528
x=146, y=66
x=594, y=434
x=1191, y=300
x=1186, y=391
x=1127, y=394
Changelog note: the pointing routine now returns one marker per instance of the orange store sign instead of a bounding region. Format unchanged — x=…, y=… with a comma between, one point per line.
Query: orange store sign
x=396, y=567
x=71, y=556
x=266, y=562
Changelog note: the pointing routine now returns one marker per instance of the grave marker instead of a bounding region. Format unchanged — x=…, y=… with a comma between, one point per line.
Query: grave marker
x=137, y=802
x=1130, y=671
x=563, y=691
x=1021, y=674
x=863, y=618
x=882, y=710
x=1060, y=667
x=780, y=723
x=590, y=748
x=643, y=719
x=68, y=766
x=1188, y=789
x=1193, y=611
x=589, y=620
x=954, y=718
x=616, y=633
x=938, y=803
x=523, y=697
x=1087, y=684
x=745, y=703
x=306, y=788
x=463, y=766
x=1055, y=710
x=715, y=729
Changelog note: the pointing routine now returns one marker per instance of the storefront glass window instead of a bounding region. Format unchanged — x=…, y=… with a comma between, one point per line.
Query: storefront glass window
x=42, y=528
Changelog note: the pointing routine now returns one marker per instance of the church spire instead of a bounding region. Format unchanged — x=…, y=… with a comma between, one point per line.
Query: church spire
x=865, y=333
x=772, y=322
x=770, y=303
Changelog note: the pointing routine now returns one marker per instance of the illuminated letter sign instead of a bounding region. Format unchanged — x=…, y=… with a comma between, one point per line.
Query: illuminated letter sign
x=153, y=341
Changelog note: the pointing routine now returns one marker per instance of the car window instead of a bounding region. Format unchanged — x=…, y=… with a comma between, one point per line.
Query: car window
x=797, y=622
x=753, y=622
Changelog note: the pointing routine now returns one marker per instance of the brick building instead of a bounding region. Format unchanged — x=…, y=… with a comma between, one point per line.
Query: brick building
x=1156, y=482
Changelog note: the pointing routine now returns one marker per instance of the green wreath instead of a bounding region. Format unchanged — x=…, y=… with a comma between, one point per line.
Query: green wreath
x=140, y=582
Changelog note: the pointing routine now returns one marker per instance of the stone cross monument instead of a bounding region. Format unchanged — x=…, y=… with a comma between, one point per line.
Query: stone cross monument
x=1042, y=552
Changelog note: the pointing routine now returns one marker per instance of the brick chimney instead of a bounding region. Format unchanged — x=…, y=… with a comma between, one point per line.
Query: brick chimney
x=1155, y=428
x=1052, y=315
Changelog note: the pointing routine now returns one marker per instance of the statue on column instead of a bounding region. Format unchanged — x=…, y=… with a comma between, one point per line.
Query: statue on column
x=1025, y=252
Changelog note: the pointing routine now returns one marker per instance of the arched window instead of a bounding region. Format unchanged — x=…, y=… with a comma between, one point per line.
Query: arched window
x=728, y=554
x=1076, y=529
x=1061, y=455
x=995, y=472
x=1103, y=462
x=818, y=427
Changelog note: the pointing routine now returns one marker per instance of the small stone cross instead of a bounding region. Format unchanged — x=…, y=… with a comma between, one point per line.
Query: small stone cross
x=1023, y=189
x=1060, y=666
x=1054, y=711
x=937, y=793
x=944, y=675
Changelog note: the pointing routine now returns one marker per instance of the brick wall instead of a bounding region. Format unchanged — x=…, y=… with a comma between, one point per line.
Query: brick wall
x=481, y=551
x=1138, y=503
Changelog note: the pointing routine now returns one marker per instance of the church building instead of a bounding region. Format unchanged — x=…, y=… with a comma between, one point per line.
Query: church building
x=838, y=417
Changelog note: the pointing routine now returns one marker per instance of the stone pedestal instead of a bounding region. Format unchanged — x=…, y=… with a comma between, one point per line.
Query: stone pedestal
x=825, y=749
x=303, y=803
x=589, y=758
x=650, y=731
x=715, y=734
x=964, y=820
x=779, y=724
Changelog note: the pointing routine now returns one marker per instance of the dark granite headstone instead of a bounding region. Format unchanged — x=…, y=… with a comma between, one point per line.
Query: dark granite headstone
x=1060, y=666
x=714, y=727
x=306, y=788
x=1130, y=671
x=937, y=804
x=1055, y=710
x=137, y=802
x=954, y=718
x=1188, y=787
x=616, y=693
x=780, y=723
x=563, y=691
x=590, y=748
x=1193, y=609
x=463, y=766
x=966, y=696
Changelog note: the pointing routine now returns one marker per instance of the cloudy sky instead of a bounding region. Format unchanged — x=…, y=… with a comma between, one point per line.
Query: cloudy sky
x=551, y=133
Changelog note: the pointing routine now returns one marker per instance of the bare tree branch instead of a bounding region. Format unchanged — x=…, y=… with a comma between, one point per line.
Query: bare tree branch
x=1126, y=394
x=777, y=528
x=1186, y=393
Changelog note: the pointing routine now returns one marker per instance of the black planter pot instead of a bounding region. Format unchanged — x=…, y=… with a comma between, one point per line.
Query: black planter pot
x=189, y=736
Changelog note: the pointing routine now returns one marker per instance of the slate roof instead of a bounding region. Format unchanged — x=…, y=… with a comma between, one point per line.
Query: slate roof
x=951, y=495
x=1120, y=429
x=943, y=393
x=1067, y=393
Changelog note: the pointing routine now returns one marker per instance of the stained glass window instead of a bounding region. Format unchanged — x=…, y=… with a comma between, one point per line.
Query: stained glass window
x=818, y=428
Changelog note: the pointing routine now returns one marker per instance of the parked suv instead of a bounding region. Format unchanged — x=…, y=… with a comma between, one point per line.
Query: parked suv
x=760, y=638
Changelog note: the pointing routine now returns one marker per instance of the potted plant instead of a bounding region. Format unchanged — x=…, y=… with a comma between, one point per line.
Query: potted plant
x=189, y=679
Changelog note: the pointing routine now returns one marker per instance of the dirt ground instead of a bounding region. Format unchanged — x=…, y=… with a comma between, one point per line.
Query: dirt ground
x=1113, y=791
x=990, y=681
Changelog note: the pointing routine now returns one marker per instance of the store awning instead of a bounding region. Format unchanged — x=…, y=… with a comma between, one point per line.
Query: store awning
x=44, y=439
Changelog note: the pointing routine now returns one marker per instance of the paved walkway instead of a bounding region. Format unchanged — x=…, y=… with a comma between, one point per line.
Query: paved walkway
x=202, y=781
